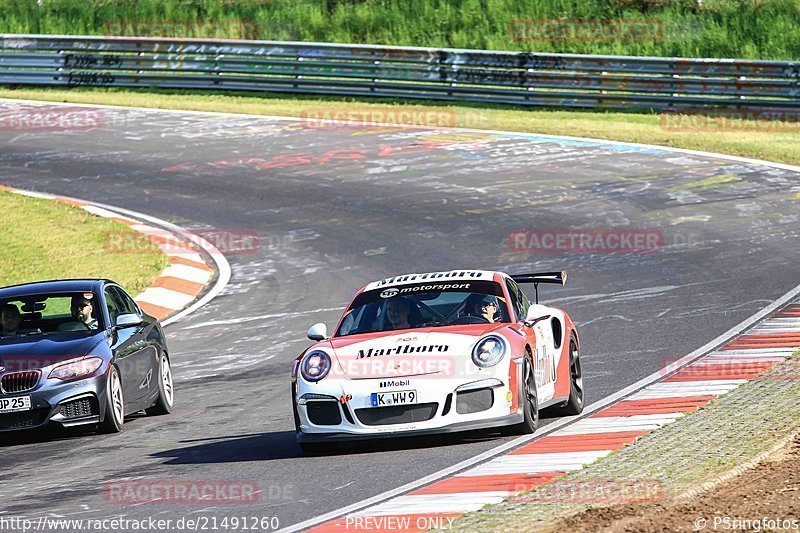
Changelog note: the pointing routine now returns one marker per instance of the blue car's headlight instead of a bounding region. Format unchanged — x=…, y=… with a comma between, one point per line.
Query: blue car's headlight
x=489, y=351
x=315, y=365
x=76, y=368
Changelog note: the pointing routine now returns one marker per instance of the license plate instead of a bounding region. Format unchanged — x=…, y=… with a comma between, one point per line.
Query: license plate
x=20, y=403
x=399, y=397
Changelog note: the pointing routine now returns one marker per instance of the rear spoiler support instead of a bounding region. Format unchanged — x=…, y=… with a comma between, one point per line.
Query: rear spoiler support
x=541, y=277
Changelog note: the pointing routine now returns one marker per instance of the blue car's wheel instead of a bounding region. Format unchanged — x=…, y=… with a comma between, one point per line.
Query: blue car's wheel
x=166, y=391
x=115, y=404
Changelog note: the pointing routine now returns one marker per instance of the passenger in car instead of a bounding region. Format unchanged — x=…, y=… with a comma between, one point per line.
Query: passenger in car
x=402, y=314
x=11, y=320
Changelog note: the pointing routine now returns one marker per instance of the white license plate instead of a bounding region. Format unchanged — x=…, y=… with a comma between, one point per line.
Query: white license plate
x=379, y=399
x=19, y=403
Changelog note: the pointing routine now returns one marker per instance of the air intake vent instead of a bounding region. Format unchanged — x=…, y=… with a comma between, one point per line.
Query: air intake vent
x=79, y=408
x=397, y=414
x=324, y=413
x=474, y=401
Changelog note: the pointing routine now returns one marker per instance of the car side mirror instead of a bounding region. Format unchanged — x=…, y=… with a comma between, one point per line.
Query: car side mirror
x=128, y=320
x=318, y=332
x=536, y=313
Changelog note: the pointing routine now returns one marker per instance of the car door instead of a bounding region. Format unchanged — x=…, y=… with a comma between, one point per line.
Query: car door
x=134, y=355
x=541, y=338
x=151, y=336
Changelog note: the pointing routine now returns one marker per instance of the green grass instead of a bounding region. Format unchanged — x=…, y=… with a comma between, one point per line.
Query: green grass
x=43, y=239
x=765, y=29
x=779, y=146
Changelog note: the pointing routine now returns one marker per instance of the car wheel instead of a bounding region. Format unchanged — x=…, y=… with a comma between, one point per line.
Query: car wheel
x=115, y=404
x=166, y=391
x=529, y=399
x=574, y=405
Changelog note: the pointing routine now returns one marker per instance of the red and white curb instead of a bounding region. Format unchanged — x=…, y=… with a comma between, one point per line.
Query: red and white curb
x=682, y=387
x=175, y=292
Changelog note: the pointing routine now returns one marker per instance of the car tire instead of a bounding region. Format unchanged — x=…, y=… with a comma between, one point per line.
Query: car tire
x=115, y=404
x=166, y=390
x=529, y=399
x=574, y=405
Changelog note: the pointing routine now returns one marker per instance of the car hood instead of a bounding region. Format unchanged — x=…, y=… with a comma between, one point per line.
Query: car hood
x=32, y=353
x=408, y=352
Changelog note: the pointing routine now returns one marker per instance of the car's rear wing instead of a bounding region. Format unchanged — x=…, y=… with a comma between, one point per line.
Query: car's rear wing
x=541, y=277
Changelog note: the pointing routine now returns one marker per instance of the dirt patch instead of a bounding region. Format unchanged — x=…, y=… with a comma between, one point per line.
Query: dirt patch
x=765, y=498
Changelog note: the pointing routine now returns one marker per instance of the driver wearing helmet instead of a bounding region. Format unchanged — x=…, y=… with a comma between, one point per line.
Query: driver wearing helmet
x=483, y=306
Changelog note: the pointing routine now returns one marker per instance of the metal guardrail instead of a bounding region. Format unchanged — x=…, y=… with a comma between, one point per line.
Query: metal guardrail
x=557, y=80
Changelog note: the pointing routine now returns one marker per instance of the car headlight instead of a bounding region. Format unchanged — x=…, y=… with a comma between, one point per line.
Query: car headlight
x=76, y=368
x=315, y=366
x=489, y=351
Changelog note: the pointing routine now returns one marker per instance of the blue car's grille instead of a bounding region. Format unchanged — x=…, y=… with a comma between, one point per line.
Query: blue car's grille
x=19, y=381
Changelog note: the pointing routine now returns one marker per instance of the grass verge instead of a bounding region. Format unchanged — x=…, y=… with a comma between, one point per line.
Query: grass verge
x=43, y=239
x=746, y=138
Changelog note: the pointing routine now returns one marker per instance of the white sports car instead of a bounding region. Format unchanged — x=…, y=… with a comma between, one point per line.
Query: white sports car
x=433, y=353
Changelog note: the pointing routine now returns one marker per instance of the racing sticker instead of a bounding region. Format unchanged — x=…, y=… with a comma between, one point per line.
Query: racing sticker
x=489, y=288
x=454, y=275
x=389, y=293
x=394, y=383
x=398, y=350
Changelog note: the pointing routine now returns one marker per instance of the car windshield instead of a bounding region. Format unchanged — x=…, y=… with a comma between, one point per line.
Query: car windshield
x=41, y=314
x=425, y=305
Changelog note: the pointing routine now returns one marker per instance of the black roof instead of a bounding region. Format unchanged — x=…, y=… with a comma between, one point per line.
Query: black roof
x=44, y=287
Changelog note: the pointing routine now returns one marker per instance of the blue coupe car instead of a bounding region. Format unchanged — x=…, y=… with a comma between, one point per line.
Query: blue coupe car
x=79, y=352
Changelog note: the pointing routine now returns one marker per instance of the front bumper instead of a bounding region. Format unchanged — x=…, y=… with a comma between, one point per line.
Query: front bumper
x=342, y=409
x=508, y=420
x=53, y=402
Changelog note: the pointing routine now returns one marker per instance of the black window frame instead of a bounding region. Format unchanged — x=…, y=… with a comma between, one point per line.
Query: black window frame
x=518, y=300
x=109, y=295
x=131, y=306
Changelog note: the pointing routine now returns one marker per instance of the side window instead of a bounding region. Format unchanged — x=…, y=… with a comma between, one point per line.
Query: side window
x=113, y=304
x=348, y=324
x=526, y=303
x=517, y=300
x=127, y=305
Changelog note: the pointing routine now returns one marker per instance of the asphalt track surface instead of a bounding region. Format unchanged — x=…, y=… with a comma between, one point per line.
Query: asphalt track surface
x=337, y=207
